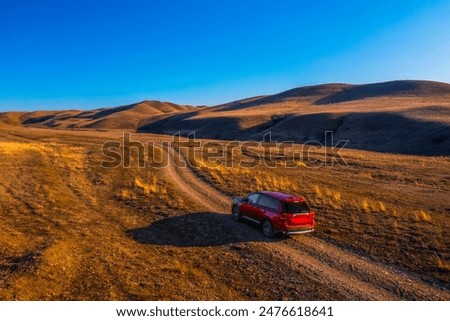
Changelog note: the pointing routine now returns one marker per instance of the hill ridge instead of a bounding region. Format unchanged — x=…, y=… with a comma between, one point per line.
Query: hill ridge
x=400, y=116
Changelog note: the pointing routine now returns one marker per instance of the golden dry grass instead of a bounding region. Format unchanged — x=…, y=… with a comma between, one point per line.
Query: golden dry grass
x=65, y=224
x=318, y=191
x=443, y=265
x=126, y=194
x=421, y=215
x=71, y=157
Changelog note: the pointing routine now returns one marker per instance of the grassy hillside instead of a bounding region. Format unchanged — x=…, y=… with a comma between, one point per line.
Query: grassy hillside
x=407, y=117
x=123, y=117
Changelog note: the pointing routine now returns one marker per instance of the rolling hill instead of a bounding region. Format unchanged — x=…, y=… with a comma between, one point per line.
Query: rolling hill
x=122, y=117
x=410, y=117
x=406, y=116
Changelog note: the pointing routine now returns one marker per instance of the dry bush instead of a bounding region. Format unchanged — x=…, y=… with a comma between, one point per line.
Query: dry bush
x=300, y=163
x=421, y=215
x=333, y=194
x=443, y=264
x=207, y=164
x=125, y=194
x=365, y=205
x=395, y=225
x=148, y=188
x=317, y=191
x=372, y=206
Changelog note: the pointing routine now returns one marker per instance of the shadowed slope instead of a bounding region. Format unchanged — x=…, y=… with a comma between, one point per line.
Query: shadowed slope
x=414, y=88
x=307, y=93
x=382, y=132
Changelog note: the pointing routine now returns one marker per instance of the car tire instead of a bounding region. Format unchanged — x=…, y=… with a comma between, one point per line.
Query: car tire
x=267, y=229
x=235, y=213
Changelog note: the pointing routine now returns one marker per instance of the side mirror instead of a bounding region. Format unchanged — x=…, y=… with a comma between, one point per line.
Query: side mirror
x=244, y=200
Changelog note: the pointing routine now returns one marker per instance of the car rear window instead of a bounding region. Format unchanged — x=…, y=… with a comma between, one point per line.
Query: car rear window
x=296, y=207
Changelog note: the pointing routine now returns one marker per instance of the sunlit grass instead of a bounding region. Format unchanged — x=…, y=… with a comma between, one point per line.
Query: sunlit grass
x=126, y=194
x=68, y=156
x=365, y=205
x=442, y=264
x=421, y=215
x=318, y=191
x=14, y=148
x=147, y=187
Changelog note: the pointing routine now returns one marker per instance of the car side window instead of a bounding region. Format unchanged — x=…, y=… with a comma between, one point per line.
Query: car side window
x=268, y=202
x=253, y=198
x=274, y=204
x=263, y=200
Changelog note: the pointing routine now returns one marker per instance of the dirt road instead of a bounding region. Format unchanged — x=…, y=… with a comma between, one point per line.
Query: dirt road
x=352, y=276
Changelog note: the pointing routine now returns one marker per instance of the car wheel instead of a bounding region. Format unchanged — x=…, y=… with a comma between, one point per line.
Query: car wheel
x=267, y=229
x=235, y=213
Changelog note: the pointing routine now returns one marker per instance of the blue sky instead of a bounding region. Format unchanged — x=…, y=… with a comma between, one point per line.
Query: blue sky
x=87, y=54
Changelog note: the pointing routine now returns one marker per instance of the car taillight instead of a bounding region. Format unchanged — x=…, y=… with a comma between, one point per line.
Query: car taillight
x=284, y=216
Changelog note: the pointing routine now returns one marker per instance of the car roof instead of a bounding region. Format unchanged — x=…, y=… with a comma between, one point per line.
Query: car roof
x=283, y=196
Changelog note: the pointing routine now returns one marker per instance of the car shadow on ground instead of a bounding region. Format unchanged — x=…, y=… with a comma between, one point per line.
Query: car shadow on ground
x=199, y=230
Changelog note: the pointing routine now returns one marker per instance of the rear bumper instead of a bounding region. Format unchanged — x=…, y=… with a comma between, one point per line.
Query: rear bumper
x=299, y=231
x=294, y=229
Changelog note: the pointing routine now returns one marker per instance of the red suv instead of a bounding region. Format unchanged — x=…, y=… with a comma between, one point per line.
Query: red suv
x=275, y=212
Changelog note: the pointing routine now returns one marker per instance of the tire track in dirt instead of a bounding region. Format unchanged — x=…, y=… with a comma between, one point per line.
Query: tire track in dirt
x=399, y=283
x=187, y=181
x=355, y=277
